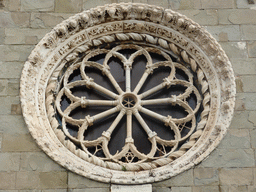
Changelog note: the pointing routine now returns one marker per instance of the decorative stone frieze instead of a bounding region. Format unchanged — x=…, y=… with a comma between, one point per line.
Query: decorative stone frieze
x=48, y=83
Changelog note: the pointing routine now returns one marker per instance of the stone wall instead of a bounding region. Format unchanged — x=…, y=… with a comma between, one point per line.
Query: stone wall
x=24, y=167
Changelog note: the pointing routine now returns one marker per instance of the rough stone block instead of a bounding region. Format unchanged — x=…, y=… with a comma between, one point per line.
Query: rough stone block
x=6, y=20
x=13, y=87
x=225, y=33
x=244, y=4
x=10, y=124
x=235, y=49
x=162, y=3
x=239, y=85
x=38, y=162
x=68, y=6
x=181, y=189
x=253, y=138
x=217, y=4
x=14, y=5
x=6, y=105
x=239, y=105
x=230, y=158
x=248, y=85
x=88, y=4
x=7, y=180
x=77, y=181
x=240, y=120
x=233, y=188
x=23, y=36
x=250, y=101
x=162, y=189
x=251, y=188
x=202, y=17
x=2, y=35
x=18, y=143
x=16, y=109
x=128, y=188
x=47, y=20
x=248, y=32
x=53, y=180
x=10, y=69
x=206, y=188
x=252, y=49
x=14, y=53
x=27, y=180
x=181, y=5
x=9, y=162
x=37, y=5
x=236, y=176
x=244, y=66
x=206, y=176
x=3, y=87
x=89, y=190
x=236, y=138
x=1, y=139
x=184, y=179
x=21, y=19
x=237, y=16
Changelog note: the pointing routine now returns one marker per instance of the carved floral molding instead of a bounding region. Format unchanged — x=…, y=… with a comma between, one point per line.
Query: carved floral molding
x=147, y=30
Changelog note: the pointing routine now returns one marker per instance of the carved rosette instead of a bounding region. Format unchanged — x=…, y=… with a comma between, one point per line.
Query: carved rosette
x=146, y=29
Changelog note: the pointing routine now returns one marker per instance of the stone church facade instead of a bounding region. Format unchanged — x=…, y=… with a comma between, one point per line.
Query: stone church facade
x=25, y=167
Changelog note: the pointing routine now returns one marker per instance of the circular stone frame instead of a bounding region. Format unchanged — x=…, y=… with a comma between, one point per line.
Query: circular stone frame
x=141, y=24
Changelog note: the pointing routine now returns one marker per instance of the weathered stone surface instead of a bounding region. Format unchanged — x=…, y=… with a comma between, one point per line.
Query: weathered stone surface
x=233, y=188
x=182, y=4
x=236, y=176
x=239, y=85
x=68, y=6
x=2, y=35
x=252, y=117
x=20, y=36
x=7, y=180
x=253, y=138
x=206, y=176
x=9, y=162
x=53, y=180
x=27, y=180
x=10, y=69
x=236, y=138
x=139, y=1
x=162, y=189
x=202, y=17
x=240, y=120
x=248, y=32
x=230, y=158
x=217, y=4
x=244, y=66
x=56, y=190
x=163, y=3
x=14, y=5
x=89, y=190
x=183, y=179
x=16, y=109
x=225, y=33
x=240, y=105
x=13, y=87
x=252, y=48
x=206, y=188
x=14, y=53
x=6, y=20
x=6, y=104
x=181, y=189
x=77, y=181
x=248, y=86
x=251, y=188
x=235, y=49
x=3, y=87
x=244, y=4
x=21, y=19
x=250, y=101
x=1, y=139
x=87, y=4
x=37, y=5
x=12, y=124
x=38, y=162
x=47, y=20
x=18, y=143
x=128, y=188
x=237, y=16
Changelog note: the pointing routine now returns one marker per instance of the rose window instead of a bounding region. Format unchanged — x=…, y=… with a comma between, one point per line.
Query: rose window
x=172, y=93
x=128, y=93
